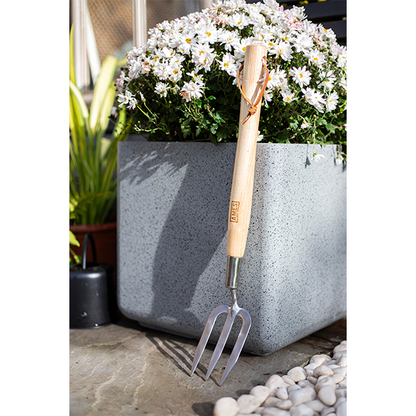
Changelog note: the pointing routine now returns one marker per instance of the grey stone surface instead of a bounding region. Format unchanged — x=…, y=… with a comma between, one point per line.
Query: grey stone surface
x=125, y=369
x=172, y=235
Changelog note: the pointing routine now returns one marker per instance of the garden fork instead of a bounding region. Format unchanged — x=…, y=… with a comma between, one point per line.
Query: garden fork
x=253, y=85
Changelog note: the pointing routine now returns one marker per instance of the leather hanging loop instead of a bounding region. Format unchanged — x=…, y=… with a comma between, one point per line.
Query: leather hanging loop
x=253, y=107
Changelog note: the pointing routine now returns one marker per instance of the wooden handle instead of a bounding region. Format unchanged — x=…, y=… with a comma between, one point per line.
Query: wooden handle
x=243, y=177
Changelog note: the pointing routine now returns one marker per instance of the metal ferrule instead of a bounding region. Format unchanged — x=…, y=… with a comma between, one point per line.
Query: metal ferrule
x=233, y=266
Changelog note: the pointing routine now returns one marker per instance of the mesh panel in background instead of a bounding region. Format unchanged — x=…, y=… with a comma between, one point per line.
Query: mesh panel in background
x=112, y=21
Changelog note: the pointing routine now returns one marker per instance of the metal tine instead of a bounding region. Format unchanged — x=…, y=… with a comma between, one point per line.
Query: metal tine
x=239, y=344
x=207, y=332
x=220, y=344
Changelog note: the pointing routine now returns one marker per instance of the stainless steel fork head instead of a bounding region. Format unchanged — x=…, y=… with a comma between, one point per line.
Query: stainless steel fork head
x=232, y=312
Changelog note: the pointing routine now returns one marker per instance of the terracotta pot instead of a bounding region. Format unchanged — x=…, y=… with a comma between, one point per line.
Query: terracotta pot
x=105, y=237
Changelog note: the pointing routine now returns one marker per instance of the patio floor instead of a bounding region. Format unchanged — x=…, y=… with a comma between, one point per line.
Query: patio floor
x=125, y=369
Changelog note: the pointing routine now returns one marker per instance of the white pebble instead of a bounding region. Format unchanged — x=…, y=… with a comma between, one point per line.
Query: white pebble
x=340, y=347
x=297, y=374
x=282, y=393
x=304, y=383
x=310, y=366
x=332, y=366
x=320, y=359
x=316, y=405
x=301, y=410
x=248, y=404
x=312, y=379
x=328, y=411
x=341, y=370
x=284, y=404
x=339, y=354
x=302, y=396
x=292, y=388
x=342, y=409
x=343, y=383
x=271, y=402
x=274, y=382
x=341, y=393
x=324, y=381
x=288, y=380
x=251, y=414
x=274, y=411
x=327, y=395
x=342, y=361
x=322, y=370
x=339, y=401
x=226, y=406
x=337, y=378
x=261, y=392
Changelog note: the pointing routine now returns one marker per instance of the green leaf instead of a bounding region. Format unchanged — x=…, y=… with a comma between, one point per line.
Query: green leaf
x=102, y=88
x=73, y=240
x=293, y=124
x=71, y=56
x=330, y=127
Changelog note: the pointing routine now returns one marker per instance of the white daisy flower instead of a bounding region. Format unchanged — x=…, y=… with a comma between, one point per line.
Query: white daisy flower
x=162, y=89
x=228, y=64
x=331, y=101
x=228, y=38
x=259, y=137
x=240, y=20
x=301, y=76
x=288, y=96
x=317, y=157
x=191, y=90
x=303, y=42
x=314, y=98
x=317, y=58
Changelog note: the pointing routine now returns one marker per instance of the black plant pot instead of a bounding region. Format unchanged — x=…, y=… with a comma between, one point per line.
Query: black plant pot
x=89, y=290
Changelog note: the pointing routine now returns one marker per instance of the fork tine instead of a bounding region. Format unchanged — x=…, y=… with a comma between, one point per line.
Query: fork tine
x=239, y=344
x=220, y=344
x=205, y=335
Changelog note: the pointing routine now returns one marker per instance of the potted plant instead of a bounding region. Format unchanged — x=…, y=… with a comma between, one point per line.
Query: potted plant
x=173, y=190
x=93, y=159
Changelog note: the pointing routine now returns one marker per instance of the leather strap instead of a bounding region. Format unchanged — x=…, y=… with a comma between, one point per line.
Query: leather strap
x=252, y=110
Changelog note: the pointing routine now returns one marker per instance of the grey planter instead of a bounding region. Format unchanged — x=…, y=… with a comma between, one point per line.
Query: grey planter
x=172, y=236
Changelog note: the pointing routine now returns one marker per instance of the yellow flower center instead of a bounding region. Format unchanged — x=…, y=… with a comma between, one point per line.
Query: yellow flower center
x=226, y=64
x=287, y=98
x=244, y=48
x=188, y=40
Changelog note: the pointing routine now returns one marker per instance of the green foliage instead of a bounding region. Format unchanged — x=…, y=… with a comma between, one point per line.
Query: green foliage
x=93, y=158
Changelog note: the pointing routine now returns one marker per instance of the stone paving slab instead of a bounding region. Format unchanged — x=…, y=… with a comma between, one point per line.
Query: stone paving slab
x=125, y=369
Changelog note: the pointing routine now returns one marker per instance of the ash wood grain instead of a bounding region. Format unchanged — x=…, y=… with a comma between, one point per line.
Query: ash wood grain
x=244, y=165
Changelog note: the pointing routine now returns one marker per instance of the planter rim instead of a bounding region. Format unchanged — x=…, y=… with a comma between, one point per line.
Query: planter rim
x=94, y=227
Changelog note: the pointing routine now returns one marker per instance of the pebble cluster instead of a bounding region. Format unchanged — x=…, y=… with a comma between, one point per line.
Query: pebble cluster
x=318, y=389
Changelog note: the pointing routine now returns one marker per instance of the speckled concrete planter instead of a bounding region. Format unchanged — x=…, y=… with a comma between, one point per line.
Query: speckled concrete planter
x=172, y=236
